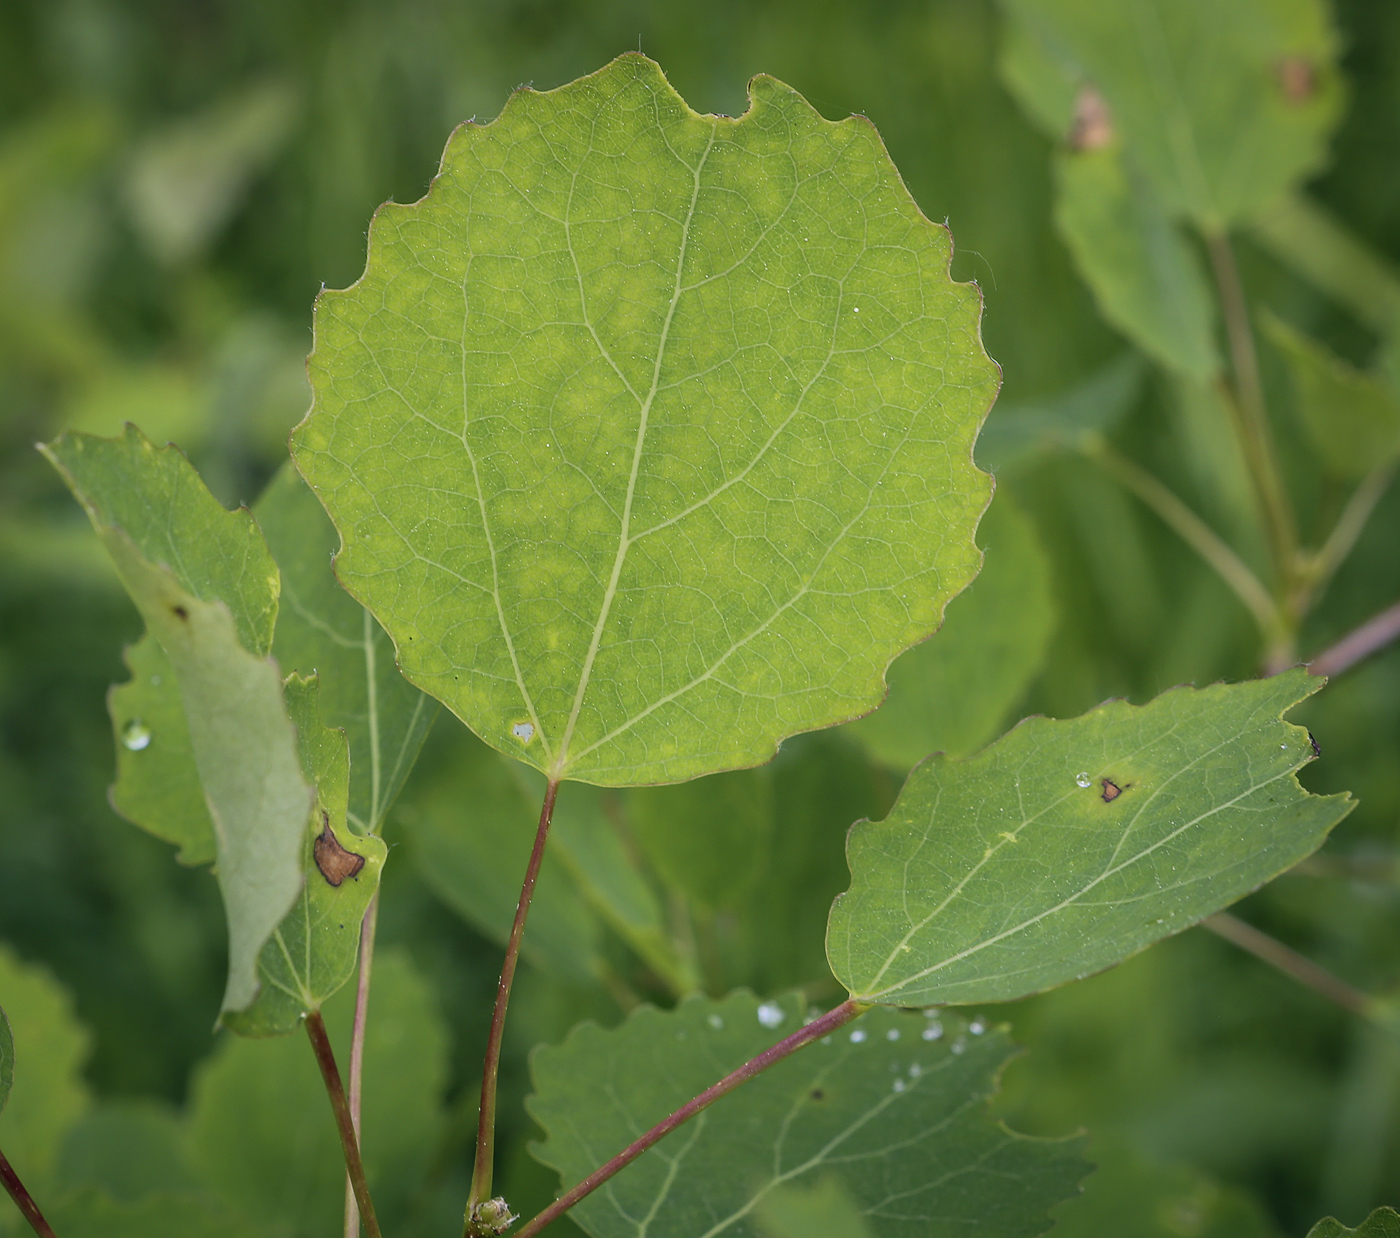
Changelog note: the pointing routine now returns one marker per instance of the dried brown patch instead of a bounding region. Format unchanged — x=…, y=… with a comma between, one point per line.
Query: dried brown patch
x=334, y=861
x=1111, y=790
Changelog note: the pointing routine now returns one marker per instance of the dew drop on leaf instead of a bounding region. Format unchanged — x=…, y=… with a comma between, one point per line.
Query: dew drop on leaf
x=136, y=735
x=899, y=1085
x=770, y=1014
x=1083, y=780
x=892, y=1034
x=959, y=1045
x=977, y=1026
x=857, y=1036
x=934, y=1031
x=715, y=1022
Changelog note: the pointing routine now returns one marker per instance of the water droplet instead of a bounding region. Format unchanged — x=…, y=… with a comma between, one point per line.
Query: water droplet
x=899, y=1085
x=136, y=735
x=934, y=1031
x=855, y=309
x=977, y=1026
x=857, y=1036
x=770, y=1014
x=959, y=1045
x=715, y=1022
x=523, y=731
x=892, y=1034
x=1083, y=780
x=155, y=681
x=826, y=1040
x=915, y=1071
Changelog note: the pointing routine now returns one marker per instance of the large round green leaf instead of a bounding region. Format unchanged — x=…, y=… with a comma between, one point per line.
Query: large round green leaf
x=648, y=434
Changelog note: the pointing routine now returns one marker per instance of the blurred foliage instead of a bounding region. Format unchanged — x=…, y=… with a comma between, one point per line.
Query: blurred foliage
x=176, y=182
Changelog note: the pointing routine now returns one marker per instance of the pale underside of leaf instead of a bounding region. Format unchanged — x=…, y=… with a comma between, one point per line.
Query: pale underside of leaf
x=648, y=433
x=1067, y=846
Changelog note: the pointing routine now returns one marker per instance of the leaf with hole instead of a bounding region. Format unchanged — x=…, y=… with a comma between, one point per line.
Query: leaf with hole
x=1068, y=845
x=649, y=433
x=892, y=1108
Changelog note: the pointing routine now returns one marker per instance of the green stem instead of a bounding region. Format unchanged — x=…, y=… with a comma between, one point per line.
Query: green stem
x=1194, y=532
x=804, y=1036
x=1251, y=415
x=1287, y=960
x=1322, y=566
x=357, y=1051
x=486, y=1119
x=340, y=1105
x=24, y=1201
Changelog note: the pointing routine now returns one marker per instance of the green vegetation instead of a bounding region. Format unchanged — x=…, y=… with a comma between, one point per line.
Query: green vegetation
x=655, y=439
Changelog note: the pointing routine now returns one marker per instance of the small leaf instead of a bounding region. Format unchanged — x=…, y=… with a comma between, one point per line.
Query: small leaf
x=951, y=693
x=312, y=953
x=1352, y=418
x=7, y=1060
x=1148, y=282
x=1067, y=846
x=157, y=786
x=649, y=433
x=322, y=630
x=213, y=615
x=1223, y=107
x=893, y=1108
x=1382, y=1223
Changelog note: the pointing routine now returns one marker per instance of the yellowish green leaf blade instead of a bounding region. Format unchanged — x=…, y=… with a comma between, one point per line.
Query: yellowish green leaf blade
x=322, y=630
x=824, y=1210
x=313, y=952
x=649, y=433
x=951, y=693
x=244, y=744
x=157, y=786
x=893, y=1108
x=1068, y=845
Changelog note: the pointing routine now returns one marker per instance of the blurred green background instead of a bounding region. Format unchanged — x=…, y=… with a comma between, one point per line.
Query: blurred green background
x=177, y=181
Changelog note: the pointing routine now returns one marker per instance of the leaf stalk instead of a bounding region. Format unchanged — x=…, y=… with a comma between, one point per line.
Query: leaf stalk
x=1372, y=636
x=486, y=1120
x=357, y=1051
x=340, y=1105
x=804, y=1036
x=24, y=1201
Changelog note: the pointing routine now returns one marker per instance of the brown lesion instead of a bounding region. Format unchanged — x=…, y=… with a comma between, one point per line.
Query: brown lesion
x=335, y=862
x=1111, y=790
x=179, y=612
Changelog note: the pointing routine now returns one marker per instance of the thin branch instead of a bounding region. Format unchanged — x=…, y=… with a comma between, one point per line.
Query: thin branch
x=357, y=1051
x=486, y=1120
x=1193, y=531
x=1371, y=637
x=340, y=1105
x=24, y=1201
x=1291, y=963
x=1251, y=415
x=1349, y=527
x=818, y=1028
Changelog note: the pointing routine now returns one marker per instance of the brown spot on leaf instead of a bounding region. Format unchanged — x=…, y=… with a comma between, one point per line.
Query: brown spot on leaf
x=1092, y=126
x=1111, y=790
x=1298, y=78
x=334, y=861
x=179, y=612
x=818, y=1094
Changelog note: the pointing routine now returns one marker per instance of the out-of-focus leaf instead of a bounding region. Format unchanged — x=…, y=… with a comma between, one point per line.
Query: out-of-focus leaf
x=92, y=1214
x=677, y=409
x=1382, y=1223
x=186, y=181
x=321, y=629
x=823, y=1210
x=1312, y=241
x=1067, y=846
x=1125, y=1195
x=1223, y=107
x=212, y=613
x=710, y=837
x=128, y=1150
x=1147, y=280
x=7, y=1060
x=47, y=1095
x=1351, y=418
x=261, y=1134
x=892, y=1107
x=1017, y=434
x=312, y=953
x=157, y=784
x=951, y=693
x=470, y=837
